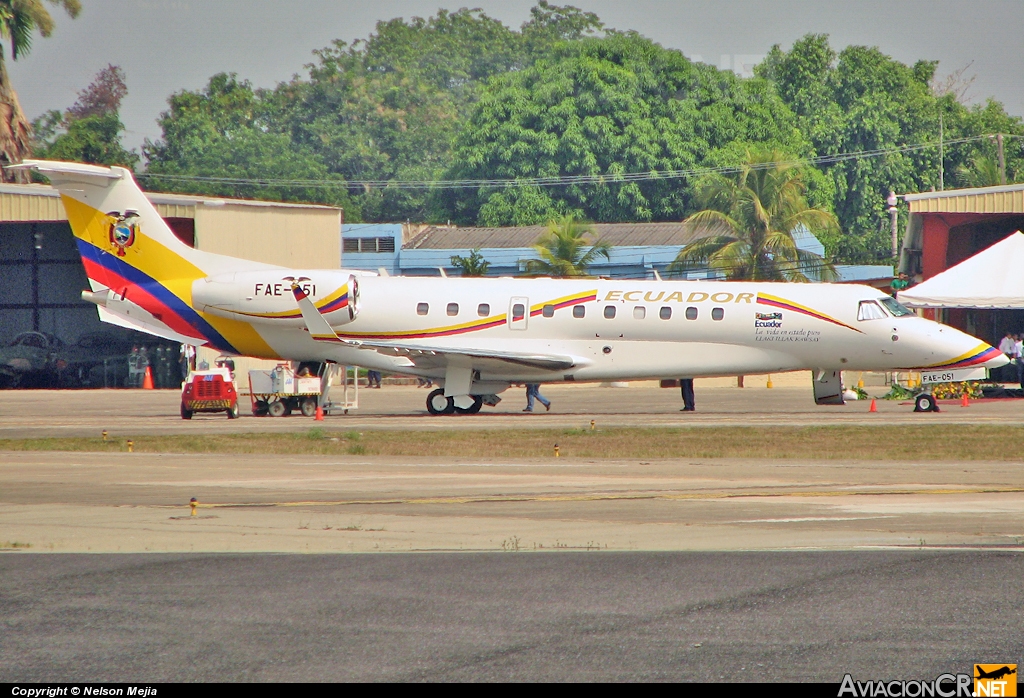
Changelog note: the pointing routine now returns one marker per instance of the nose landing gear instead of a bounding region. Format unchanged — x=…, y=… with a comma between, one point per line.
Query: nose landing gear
x=925, y=402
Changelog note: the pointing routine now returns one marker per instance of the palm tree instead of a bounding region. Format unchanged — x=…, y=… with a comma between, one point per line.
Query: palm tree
x=983, y=172
x=19, y=20
x=565, y=250
x=473, y=265
x=753, y=216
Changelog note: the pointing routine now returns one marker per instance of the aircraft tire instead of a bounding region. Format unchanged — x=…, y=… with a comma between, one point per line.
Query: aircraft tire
x=478, y=402
x=277, y=408
x=437, y=403
x=925, y=402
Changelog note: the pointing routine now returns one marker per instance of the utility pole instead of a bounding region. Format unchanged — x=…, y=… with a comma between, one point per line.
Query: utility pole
x=942, y=157
x=1002, y=159
x=894, y=215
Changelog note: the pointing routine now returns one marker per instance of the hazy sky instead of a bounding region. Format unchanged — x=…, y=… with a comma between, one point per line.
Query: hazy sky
x=169, y=45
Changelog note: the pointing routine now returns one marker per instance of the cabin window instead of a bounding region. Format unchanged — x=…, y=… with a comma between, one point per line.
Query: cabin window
x=691, y=313
x=422, y=308
x=609, y=311
x=665, y=313
x=895, y=307
x=870, y=310
x=717, y=313
x=518, y=312
x=579, y=311
x=453, y=309
x=548, y=311
x=483, y=310
x=639, y=312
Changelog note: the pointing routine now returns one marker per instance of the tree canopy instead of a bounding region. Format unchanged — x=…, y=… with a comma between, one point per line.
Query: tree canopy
x=461, y=96
x=862, y=100
x=90, y=129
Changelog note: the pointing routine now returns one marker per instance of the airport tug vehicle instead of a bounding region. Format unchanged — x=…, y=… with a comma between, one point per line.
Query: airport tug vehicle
x=209, y=391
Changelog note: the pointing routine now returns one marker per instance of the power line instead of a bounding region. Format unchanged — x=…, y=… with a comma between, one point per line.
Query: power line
x=561, y=180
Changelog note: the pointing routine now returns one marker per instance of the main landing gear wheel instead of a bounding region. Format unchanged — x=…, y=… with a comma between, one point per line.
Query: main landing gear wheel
x=478, y=402
x=277, y=408
x=437, y=403
x=925, y=403
x=308, y=407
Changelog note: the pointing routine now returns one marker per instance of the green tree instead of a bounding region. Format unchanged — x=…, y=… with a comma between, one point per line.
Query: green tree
x=19, y=21
x=221, y=142
x=983, y=172
x=565, y=250
x=861, y=100
x=473, y=264
x=753, y=217
x=90, y=130
x=604, y=107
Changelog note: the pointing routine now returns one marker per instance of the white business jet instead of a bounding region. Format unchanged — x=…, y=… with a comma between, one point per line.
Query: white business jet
x=477, y=336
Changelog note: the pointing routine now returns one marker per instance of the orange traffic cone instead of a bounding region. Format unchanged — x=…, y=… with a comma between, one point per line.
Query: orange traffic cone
x=147, y=382
x=319, y=414
x=964, y=401
x=873, y=407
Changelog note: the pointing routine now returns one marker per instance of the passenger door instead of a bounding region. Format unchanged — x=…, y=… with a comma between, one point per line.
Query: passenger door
x=518, y=313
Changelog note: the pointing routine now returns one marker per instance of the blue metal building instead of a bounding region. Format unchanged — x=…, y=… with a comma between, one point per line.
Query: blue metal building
x=638, y=249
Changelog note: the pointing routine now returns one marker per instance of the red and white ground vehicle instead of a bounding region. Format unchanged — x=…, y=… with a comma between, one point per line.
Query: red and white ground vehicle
x=209, y=391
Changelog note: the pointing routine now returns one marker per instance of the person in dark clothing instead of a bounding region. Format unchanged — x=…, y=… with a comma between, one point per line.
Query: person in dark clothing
x=686, y=388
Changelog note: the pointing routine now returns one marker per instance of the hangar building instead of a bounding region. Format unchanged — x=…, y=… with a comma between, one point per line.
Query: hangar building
x=947, y=227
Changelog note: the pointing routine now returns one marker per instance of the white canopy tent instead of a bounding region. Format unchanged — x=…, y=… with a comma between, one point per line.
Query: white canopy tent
x=993, y=278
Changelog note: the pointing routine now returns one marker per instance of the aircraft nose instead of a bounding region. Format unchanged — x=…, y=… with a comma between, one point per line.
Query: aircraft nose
x=965, y=351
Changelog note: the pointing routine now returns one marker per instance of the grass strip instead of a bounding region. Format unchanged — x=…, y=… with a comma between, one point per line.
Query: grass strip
x=874, y=443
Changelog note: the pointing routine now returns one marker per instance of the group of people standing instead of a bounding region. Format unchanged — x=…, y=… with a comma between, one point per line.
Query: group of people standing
x=1013, y=346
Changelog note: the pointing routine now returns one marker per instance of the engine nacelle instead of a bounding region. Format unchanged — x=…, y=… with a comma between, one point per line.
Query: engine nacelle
x=266, y=296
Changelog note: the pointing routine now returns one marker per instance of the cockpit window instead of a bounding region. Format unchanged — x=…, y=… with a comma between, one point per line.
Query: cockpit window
x=894, y=306
x=869, y=310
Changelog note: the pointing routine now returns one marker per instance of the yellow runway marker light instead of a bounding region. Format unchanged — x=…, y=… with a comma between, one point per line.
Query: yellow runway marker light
x=104, y=434
x=131, y=446
x=556, y=450
x=193, y=503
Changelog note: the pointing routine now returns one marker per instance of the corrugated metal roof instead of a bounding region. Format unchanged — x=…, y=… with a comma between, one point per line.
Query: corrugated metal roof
x=617, y=234
x=1002, y=199
x=41, y=202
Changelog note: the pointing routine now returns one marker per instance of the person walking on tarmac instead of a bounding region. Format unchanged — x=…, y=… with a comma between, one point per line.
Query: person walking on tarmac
x=686, y=388
x=533, y=391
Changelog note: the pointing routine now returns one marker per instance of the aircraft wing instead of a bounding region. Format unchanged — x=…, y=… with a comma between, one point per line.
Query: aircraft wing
x=425, y=356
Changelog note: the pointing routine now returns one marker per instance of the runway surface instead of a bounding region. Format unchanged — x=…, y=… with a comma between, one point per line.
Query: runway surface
x=37, y=414
x=139, y=502
x=474, y=617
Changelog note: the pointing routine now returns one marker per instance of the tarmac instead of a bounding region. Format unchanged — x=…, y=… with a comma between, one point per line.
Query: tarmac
x=40, y=413
x=370, y=568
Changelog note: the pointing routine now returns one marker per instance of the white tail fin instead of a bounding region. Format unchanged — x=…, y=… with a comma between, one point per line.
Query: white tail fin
x=132, y=257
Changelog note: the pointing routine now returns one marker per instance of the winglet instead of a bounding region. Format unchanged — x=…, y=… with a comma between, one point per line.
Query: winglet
x=319, y=328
